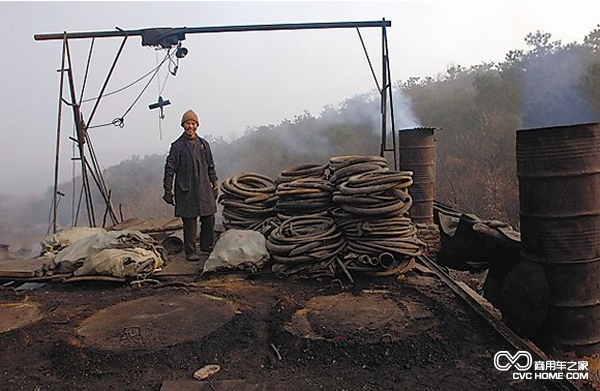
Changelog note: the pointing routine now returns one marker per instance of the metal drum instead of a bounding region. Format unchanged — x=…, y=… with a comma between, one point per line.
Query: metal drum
x=417, y=154
x=559, y=194
x=172, y=244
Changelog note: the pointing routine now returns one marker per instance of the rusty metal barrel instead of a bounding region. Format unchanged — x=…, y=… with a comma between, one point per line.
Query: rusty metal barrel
x=417, y=154
x=559, y=193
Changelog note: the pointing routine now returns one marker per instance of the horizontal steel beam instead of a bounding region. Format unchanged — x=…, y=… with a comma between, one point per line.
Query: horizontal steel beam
x=214, y=29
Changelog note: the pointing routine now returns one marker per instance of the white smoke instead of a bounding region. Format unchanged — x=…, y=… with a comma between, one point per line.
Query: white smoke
x=404, y=114
x=366, y=108
x=553, y=91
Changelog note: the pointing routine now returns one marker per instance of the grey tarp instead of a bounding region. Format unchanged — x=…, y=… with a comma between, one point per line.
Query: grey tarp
x=238, y=250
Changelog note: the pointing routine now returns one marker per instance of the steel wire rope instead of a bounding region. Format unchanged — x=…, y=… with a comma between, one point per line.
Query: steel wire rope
x=167, y=76
x=127, y=86
x=160, y=90
x=120, y=121
x=106, y=80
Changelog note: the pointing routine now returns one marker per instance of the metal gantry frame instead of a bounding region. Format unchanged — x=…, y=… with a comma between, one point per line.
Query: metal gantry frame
x=167, y=38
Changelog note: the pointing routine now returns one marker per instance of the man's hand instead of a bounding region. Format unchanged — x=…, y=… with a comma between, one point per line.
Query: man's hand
x=168, y=197
x=215, y=187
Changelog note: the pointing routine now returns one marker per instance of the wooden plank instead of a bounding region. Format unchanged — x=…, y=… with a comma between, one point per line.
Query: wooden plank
x=21, y=268
x=149, y=225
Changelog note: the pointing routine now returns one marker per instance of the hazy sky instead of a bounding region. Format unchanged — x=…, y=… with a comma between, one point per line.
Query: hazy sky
x=234, y=80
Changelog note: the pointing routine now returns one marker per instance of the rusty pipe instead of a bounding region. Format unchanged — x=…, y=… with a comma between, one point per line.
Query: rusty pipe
x=364, y=259
x=386, y=260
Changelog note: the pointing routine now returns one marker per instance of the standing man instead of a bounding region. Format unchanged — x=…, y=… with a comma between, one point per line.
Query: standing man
x=190, y=161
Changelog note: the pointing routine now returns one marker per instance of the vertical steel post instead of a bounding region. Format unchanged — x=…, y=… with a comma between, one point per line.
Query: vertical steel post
x=58, y=132
x=383, y=91
x=392, y=120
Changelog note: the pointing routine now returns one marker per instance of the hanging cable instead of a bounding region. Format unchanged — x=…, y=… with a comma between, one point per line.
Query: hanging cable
x=110, y=72
x=167, y=77
x=126, y=87
x=158, y=90
x=171, y=62
x=157, y=73
x=161, y=114
x=120, y=121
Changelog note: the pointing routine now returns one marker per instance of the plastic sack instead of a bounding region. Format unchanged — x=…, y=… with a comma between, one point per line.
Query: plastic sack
x=238, y=250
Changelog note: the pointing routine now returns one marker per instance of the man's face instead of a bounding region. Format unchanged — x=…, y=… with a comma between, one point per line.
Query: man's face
x=190, y=128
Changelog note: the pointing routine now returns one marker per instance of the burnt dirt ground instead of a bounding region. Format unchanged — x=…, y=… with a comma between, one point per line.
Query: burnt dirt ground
x=406, y=333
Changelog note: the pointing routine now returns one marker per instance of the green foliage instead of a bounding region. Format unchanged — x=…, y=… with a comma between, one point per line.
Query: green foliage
x=480, y=109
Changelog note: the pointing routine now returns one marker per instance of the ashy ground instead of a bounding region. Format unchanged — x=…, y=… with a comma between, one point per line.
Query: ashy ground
x=407, y=333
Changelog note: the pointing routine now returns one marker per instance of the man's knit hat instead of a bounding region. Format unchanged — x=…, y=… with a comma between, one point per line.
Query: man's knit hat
x=189, y=116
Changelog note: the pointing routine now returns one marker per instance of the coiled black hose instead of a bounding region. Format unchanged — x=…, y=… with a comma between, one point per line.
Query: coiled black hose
x=302, y=197
x=248, y=200
x=305, y=244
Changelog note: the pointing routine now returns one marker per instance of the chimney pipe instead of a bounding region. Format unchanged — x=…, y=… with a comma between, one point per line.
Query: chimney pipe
x=417, y=154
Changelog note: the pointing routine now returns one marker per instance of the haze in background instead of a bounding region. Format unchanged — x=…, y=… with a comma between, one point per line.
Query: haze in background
x=234, y=81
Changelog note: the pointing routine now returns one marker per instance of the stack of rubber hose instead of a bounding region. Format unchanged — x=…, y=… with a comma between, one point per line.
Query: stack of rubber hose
x=303, y=197
x=381, y=193
x=343, y=167
x=372, y=213
x=305, y=245
x=310, y=170
x=303, y=190
x=248, y=201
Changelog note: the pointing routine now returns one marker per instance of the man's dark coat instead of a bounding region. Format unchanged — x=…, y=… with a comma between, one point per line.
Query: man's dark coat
x=194, y=170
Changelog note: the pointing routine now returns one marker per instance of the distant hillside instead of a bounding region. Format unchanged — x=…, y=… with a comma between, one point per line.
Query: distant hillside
x=479, y=109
